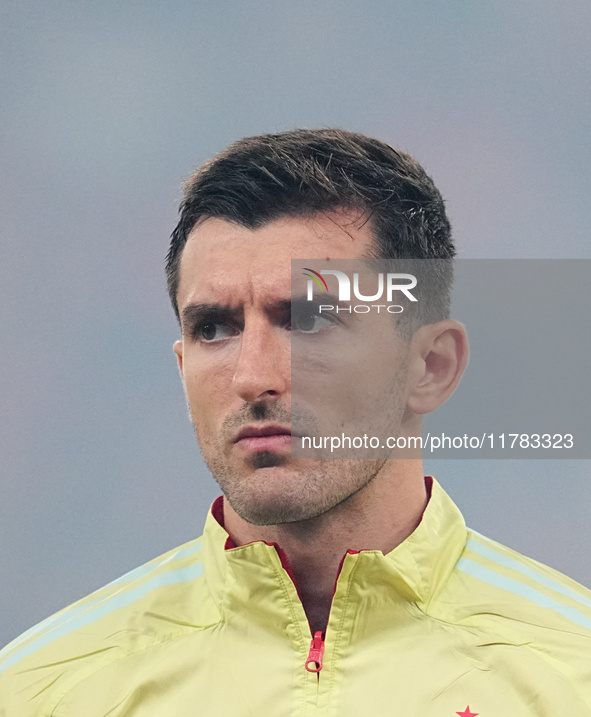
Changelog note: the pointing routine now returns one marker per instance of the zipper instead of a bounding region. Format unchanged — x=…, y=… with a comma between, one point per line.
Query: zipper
x=315, y=653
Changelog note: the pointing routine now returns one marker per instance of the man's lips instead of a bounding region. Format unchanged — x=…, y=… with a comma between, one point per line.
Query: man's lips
x=264, y=438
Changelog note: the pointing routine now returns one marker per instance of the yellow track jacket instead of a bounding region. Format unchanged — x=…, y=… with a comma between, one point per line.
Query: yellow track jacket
x=448, y=623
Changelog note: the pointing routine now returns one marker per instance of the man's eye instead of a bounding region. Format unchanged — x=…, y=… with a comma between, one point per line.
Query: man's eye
x=211, y=331
x=309, y=322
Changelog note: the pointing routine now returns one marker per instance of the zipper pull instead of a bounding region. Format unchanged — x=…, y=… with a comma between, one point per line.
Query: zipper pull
x=316, y=652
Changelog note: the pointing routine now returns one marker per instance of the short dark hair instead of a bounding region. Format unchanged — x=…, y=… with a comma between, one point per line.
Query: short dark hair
x=304, y=172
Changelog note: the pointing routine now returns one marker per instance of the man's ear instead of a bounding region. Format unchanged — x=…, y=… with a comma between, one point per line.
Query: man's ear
x=438, y=357
x=177, y=347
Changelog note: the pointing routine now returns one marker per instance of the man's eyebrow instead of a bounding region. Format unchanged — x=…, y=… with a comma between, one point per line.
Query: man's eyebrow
x=193, y=314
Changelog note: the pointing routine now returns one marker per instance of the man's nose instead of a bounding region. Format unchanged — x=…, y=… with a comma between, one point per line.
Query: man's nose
x=263, y=368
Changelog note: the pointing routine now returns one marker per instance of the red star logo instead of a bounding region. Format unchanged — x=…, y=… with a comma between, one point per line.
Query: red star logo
x=467, y=713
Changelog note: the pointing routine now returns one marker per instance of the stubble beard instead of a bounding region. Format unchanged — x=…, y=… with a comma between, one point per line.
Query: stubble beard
x=304, y=492
x=271, y=488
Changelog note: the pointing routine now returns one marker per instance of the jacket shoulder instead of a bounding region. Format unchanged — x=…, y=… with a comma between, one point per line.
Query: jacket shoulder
x=156, y=602
x=511, y=585
x=505, y=598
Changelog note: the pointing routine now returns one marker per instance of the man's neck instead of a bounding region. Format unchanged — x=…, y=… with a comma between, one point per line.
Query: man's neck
x=379, y=517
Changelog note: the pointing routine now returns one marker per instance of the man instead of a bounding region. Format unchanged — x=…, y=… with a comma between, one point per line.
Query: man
x=320, y=586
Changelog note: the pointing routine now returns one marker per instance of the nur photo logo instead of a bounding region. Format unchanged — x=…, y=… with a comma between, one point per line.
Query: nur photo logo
x=386, y=283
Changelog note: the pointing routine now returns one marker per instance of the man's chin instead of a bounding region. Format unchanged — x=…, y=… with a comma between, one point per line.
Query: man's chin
x=273, y=495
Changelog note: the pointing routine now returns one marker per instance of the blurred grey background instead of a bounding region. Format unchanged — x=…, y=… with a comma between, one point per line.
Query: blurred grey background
x=106, y=108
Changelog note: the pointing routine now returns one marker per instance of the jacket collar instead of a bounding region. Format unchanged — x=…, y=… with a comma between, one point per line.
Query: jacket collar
x=255, y=577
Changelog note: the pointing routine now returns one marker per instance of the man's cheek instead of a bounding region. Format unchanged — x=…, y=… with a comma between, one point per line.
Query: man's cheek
x=205, y=417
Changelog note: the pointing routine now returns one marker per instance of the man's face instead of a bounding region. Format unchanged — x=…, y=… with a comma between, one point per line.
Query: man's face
x=234, y=298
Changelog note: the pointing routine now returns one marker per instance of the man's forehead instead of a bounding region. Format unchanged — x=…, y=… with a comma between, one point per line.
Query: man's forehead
x=222, y=257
